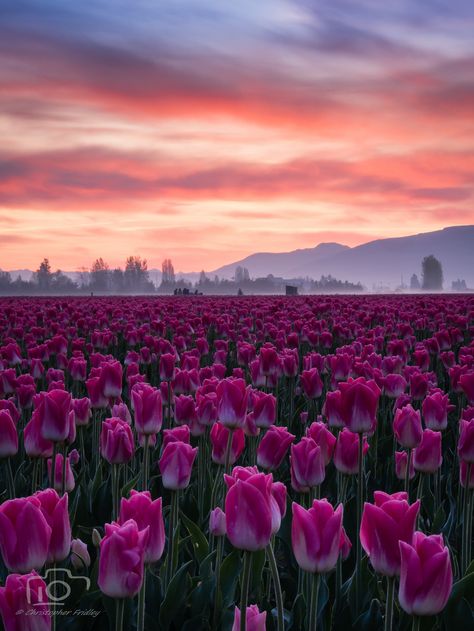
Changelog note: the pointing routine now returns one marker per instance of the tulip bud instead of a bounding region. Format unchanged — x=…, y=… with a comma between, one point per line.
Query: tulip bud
x=116, y=441
x=307, y=465
x=176, y=465
x=217, y=522
x=401, y=461
x=407, y=427
x=255, y=620
x=147, y=514
x=80, y=557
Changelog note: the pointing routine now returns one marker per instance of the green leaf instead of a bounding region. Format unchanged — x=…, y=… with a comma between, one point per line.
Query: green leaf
x=230, y=572
x=175, y=597
x=199, y=541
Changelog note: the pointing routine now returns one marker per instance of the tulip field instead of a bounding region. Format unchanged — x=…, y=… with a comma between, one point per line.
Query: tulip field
x=237, y=463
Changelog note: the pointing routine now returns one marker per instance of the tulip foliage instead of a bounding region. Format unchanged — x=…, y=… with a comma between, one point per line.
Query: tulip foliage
x=261, y=463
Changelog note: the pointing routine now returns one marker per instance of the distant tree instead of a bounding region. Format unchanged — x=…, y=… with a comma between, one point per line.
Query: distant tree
x=459, y=285
x=241, y=274
x=432, y=273
x=83, y=276
x=99, y=275
x=203, y=279
x=5, y=281
x=61, y=283
x=167, y=271
x=43, y=275
x=117, y=280
x=414, y=282
x=136, y=274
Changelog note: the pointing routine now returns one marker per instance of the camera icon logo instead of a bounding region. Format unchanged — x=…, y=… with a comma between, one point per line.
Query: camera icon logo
x=58, y=587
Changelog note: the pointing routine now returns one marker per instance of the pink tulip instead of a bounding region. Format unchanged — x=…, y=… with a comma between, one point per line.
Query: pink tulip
x=386, y=522
x=307, y=465
x=22, y=594
x=407, y=427
x=346, y=452
x=120, y=410
x=217, y=522
x=426, y=575
x=264, y=410
x=55, y=511
x=24, y=534
x=248, y=510
x=401, y=461
x=184, y=410
x=311, y=383
x=428, y=456
x=122, y=556
x=255, y=620
x=206, y=410
x=167, y=367
x=146, y=513
x=316, y=536
x=273, y=447
x=359, y=400
x=111, y=379
x=180, y=434
x=58, y=473
x=466, y=441
x=463, y=475
x=324, y=439
x=332, y=409
x=394, y=385
x=8, y=435
x=116, y=441
x=435, y=410
x=55, y=407
x=80, y=557
x=35, y=445
x=219, y=437
x=466, y=382
x=345, y=545
x=232, y=398
x=148, y=409
x=176, y=465
x=82, y=411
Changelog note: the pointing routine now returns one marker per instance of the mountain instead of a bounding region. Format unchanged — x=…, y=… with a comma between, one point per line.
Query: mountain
x=281, y=264
x=379, y=263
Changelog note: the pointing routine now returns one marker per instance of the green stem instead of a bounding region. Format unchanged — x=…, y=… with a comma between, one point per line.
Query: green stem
x=277, y=586
x=360, y=503
x=407, y=474
x=244, y=593
x=416, y=623
x=119, y=611
x=146, y=450
x=53, y=465
x=389, y=604
x=217, y=572
x=115, y=491
x=11, y=484
x=173, y=522
x=63, y=471
x=141, y=603
x=228, y=450
x=313, y=606
x=465, y=524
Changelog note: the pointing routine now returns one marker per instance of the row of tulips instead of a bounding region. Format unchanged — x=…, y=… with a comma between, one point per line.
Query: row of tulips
x=237, y=425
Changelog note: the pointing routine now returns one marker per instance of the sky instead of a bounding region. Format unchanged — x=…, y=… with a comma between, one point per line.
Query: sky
x=205, y=130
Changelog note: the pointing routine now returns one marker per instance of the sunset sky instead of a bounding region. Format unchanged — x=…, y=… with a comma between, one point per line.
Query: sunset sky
x=205, y=130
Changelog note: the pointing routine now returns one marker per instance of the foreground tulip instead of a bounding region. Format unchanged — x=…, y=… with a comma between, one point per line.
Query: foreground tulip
x=219, y=437
x=346, y=452
x=116, y=441
x=248, y=513
x=407, y=427
x=435, y=409
x=316, y=536
x=386, y=522
x=176, y=465
x=307, y=465
x=80, y=557
x=273, y=447
x=55, y=511
x=232, y=398
x=24, y=534
x=56, y=406
x=22, y=594
x=428, y=457
x=359, y=400
x=146, y=513
x=8, y=435
x=426, y=576
x=255, y=620
x=122, y=555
